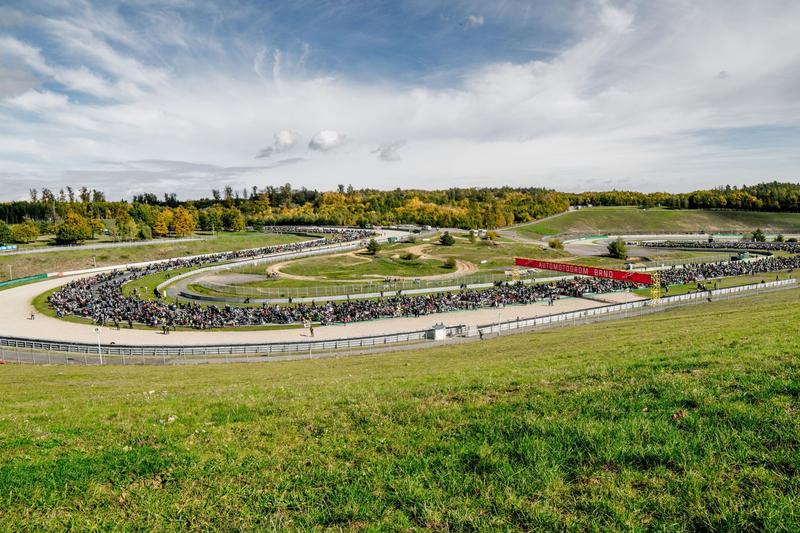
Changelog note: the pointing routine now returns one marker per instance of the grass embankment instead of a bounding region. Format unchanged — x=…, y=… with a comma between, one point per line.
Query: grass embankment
x=682, y=420
x=81, y=258
x=632, y=220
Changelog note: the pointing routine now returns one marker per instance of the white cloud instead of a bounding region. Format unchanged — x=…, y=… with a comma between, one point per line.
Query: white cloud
x=326, y=140
x=630, y=97
x=283, y=141
x=474, y=21
x=37, y=101
x=389, y=151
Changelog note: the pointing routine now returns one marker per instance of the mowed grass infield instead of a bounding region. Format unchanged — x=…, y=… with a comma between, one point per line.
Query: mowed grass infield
x=681, y=420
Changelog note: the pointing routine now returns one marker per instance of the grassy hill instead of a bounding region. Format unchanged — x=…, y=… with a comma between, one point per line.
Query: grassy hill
x=605, y=220
x=684, y=420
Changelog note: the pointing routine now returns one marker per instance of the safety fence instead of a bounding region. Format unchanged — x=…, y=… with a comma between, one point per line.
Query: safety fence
x=15, y=349
x=24, y=350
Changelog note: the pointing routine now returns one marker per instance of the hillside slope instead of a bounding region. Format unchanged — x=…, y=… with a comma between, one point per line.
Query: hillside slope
x=613, y=220
x=656, y=422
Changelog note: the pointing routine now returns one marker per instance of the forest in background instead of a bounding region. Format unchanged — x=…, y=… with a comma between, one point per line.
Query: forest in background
x=75, y=215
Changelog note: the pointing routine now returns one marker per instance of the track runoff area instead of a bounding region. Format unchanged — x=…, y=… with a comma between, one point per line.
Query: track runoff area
x=89, y=308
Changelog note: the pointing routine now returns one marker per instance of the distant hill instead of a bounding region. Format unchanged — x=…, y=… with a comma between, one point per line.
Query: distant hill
x=612, y=220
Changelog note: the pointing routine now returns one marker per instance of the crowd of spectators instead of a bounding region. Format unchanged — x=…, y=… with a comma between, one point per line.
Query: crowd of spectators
x=772, y=246
x=101, y=299
x=724, y=269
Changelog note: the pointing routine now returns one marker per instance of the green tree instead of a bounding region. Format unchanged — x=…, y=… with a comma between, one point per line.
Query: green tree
x=73, y=229
x=780, y=238
x=373, y=247
x=232, y=220
x=5, y=234
x=555, y=244
x=618, y=249
x=97, y=226
x=26, y=232
x=759, y=236
x=127, y=229
x=145, y=232
x=447, y=239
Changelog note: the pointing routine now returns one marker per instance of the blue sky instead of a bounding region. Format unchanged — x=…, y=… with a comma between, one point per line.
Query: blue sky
x=184, y=96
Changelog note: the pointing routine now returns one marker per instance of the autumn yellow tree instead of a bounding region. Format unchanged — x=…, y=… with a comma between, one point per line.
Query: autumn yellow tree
x=183, y=223
x=162, y=222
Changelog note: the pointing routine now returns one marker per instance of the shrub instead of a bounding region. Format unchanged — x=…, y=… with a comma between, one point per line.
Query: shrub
x=450, y=263
x=555, y=244
x=373, y=247
x=447, y=239
x=618, y=249
x=408, y=256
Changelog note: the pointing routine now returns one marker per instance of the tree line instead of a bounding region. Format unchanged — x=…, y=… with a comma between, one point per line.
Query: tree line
x=76, y=215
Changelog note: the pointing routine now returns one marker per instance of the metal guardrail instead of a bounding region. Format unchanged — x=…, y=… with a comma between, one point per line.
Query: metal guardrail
x=223, y=349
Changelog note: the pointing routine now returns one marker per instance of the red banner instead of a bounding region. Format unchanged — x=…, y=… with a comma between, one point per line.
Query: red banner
x=581, y=270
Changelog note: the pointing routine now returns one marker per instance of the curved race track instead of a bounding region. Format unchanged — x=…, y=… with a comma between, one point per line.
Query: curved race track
x=16, y=307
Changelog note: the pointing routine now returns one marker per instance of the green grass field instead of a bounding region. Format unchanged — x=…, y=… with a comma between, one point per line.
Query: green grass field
x=631, y=220
x=60, y=260
x=683, y=420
